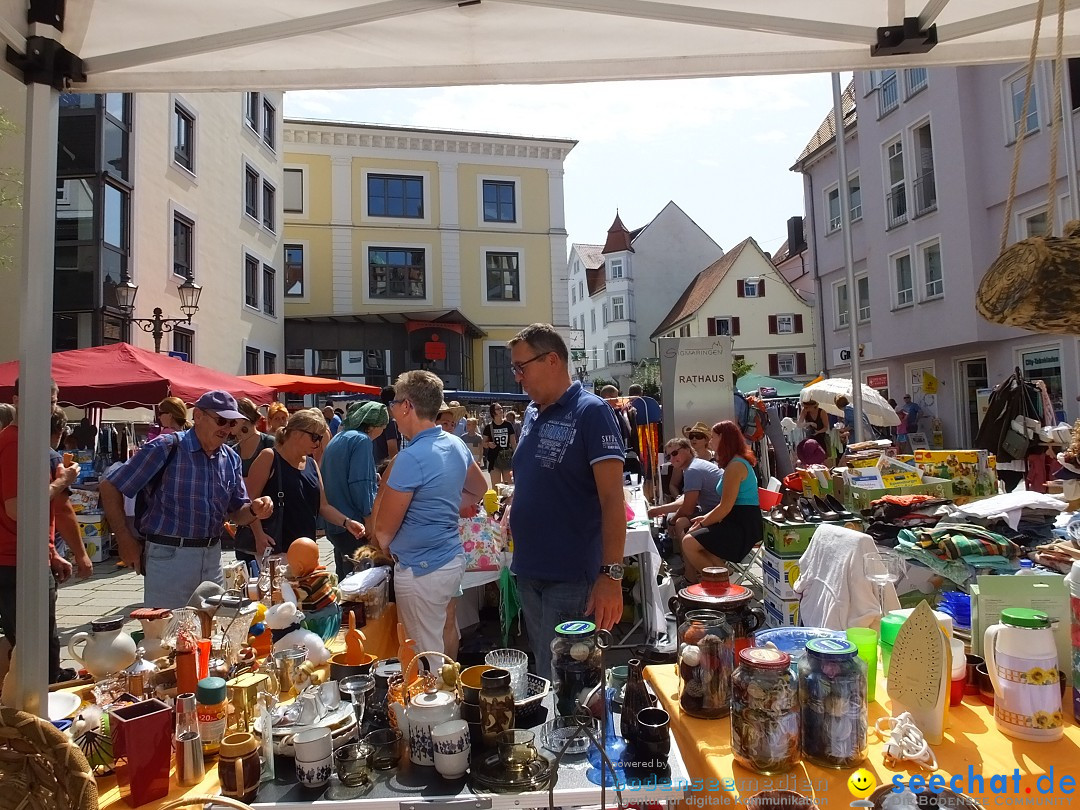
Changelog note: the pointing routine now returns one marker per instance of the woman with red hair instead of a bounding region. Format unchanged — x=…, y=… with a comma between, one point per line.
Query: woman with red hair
x=732, y=529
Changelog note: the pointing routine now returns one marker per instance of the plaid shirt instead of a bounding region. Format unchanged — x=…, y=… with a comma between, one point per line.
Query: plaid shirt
x=197, y=491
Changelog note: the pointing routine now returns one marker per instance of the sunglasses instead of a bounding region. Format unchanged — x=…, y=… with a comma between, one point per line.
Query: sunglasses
x=672, y=454
x=315, y=437
x=698, y=436
x=221, y=420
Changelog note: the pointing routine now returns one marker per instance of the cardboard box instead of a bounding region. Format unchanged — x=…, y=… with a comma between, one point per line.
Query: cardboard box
x=781, y=612
x=779, y=574
x=860, y=498
x=792, y=539
x=973, y=472
x=95, y=536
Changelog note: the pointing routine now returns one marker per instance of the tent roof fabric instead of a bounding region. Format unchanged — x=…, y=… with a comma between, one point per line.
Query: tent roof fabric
x=124, y=376
x=299, y=384
x=284, y=45
x=750, y=383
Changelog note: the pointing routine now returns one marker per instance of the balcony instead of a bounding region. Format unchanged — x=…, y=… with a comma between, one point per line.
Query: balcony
x=896, y=207
x=888, y=95
x=925, y=193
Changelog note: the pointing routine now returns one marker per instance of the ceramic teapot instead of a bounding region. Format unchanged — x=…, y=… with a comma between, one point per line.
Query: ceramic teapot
x=108, y=648
x=424, y=710
x=717, y=592
x=155, y=624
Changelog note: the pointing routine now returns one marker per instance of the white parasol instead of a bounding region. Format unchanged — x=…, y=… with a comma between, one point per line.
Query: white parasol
x=875, y=407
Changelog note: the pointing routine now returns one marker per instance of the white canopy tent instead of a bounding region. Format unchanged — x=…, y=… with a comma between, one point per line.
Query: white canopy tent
x=210, y=45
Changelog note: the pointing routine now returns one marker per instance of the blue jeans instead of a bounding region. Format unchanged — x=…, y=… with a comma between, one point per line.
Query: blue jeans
x=547, y=604
x=173, y=574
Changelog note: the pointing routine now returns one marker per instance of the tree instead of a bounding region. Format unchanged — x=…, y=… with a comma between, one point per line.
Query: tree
x=647, y=375
x=740, y=368
x=600, y=382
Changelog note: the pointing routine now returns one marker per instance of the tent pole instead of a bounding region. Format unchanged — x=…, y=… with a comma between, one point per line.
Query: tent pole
x=853, y=294
x=1069, y=137
x=31, y=669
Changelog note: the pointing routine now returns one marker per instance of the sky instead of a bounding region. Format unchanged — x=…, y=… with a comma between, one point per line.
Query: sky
x=719, y=148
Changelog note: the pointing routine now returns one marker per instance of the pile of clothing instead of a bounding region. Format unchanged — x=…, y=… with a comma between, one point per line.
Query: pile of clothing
x=890, y=515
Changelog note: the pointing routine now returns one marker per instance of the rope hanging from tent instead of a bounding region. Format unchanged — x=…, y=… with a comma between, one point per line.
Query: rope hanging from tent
x=1035, y=283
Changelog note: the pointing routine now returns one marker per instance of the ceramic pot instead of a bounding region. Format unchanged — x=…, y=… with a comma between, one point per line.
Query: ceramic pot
x=142, y=744
x=239, y=767
x=716, y=592
x=453, y=747
x=430, y=709
x=152, y=643
x=496, y=705
x=108, y=648
x=314, y=757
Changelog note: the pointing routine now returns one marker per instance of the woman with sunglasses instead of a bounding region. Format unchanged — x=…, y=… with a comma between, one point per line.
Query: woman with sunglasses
x=698, y=436
x=289, y=473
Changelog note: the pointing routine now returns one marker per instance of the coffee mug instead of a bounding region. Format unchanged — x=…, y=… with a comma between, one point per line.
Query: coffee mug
x=516, y=749
x=314, y=757
x=653, y=744
x=452, y=745
x=353, y=762
x=239, y=767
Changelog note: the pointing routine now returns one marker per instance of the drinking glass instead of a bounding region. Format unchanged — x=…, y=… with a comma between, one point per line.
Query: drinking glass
x=517, y=664
x=356, y=689
x=882, y=568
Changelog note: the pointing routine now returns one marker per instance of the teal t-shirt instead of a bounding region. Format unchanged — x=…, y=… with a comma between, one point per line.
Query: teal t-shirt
x=748, y=489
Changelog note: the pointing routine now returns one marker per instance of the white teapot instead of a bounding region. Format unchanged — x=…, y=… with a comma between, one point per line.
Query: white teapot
x=108, y=648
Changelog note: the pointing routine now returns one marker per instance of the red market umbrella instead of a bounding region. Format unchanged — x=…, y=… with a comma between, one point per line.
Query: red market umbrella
x=299, y=384
x=123, y=376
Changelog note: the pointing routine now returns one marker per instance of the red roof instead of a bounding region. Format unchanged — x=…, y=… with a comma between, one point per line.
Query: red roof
x=618, y=238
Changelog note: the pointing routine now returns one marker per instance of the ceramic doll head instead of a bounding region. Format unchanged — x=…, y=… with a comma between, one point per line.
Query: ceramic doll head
x=303, y=556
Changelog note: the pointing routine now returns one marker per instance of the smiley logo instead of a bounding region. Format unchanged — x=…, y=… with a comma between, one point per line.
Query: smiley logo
x=861, y=783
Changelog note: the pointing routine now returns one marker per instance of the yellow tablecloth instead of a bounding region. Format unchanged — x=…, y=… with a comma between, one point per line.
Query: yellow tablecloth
x=381, y=642
x=972, y=742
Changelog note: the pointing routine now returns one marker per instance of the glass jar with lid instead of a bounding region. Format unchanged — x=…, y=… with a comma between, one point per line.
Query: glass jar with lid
x=765, y=711
x=705, y=664
x=576, y=662
x=832, y=704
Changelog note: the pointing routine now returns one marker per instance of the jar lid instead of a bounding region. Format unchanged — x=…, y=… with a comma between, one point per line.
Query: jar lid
x=831, y=647
x=1025, y=617
x=578, y=628
x=764, y=658
x=433, y=700
x=210, y=691
x=107, y=624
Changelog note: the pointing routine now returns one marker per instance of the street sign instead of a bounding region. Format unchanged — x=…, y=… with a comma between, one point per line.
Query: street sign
x=180, y=356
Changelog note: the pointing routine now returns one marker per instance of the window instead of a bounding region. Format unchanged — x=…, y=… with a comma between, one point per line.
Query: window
x=1015, y=100
x=251, y=284
x=862, y=287
x=785, y=364
x=269, y=281
x=592, y=320
x=619, y=351
x=183, y=341
x=833, y=203
x=115, y=217
x=296, y=364
x=251, y=192
x=722, y=326
x=573, y=294
x=785, y=324
x=750, y=288
x=607, y=320
x=499, y=202
x=395, y=196
x=834, y=209
x=252, y=110
x=888, y=93
x=842, y=305
x=327, y=362
x=924, y=187
x=1034, y=224
x=581, y=291
x=618, y=308
x=855, y=195
x=915, y=79
x=616, y=268
x=396, y=273
x=503, y=279
x=269, y=124
x=896, y=193
x=294, y=191
x=251, y=361
x=933, y=281
x=905, y=285
x=684, y=330
x=183, y=245
x=184, y=138
x=294, y=271
x=269, y=202
x=269, y=363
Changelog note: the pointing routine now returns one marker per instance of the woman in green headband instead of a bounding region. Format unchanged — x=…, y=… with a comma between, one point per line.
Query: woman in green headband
x=348, y=470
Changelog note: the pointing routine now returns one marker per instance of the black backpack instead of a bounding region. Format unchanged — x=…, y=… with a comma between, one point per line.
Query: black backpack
x=142, y=498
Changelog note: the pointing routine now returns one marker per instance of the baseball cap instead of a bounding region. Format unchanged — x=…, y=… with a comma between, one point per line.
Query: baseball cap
x=220, y=402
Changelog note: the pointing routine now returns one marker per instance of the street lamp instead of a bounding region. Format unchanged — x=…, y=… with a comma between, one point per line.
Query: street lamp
x=157, y=326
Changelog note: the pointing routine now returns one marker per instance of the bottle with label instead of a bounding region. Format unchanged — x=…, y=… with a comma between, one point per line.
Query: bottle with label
x=1027, y=567
x=211, y=709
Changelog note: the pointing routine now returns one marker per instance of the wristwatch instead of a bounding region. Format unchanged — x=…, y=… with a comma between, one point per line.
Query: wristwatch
x=615, y=571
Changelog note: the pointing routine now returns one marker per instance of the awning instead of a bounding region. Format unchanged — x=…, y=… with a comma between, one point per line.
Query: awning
x=484, y=396
x=775, y=387
x=299, y=384
x=444, y=318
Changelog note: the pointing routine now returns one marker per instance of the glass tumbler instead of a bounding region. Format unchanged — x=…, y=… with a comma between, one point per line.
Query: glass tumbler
x=517, y=664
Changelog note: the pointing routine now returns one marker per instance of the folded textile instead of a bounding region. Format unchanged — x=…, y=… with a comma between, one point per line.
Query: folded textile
x=956, y=541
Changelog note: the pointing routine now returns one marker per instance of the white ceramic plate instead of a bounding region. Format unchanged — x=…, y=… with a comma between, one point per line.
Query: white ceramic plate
x=63, y=704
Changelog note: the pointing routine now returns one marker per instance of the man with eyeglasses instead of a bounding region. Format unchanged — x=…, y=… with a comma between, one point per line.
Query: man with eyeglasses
x=200, y=487
x=567, y=517
x=700, y=494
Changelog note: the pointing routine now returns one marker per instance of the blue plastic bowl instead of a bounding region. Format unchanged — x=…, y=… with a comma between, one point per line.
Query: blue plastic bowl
x=792, y=640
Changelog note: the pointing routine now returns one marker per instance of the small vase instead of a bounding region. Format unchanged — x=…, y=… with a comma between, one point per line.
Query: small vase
x=635, y=698
x=496, y=705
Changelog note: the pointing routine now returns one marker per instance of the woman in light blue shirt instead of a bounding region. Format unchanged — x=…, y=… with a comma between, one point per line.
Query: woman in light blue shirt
x=416, y=515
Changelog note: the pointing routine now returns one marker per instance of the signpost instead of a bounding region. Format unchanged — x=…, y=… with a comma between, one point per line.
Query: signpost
x=696, y=378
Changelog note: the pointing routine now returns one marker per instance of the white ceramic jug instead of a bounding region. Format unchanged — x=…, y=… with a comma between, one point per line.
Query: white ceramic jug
x=1021, y=658
x=108, y=649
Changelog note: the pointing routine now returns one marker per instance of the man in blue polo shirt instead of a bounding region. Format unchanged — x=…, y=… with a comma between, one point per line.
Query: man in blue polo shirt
x=201, y=487
x=567, y=518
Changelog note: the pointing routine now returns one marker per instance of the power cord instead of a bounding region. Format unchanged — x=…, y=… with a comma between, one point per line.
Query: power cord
x=904, y=742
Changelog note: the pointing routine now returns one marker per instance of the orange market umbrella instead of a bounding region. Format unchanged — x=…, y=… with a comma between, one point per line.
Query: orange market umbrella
x=299, y=384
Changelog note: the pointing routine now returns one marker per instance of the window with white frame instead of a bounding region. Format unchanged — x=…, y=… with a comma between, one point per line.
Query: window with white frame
x=905, y=284
x=269, y=124
x=854, y=199
x=295, y=280
x=500, y=203
x=293, y=189
x=581, y=291
x=592, y=320
x=1034, y=223
x=896, y=188
x=397, y=273
x=251, y=192
x=573, y=295
x=183, y=246
x=398, y=196
x=1014, y=99
x=833, y=197
x=933, y=281
x=915, y=79
x=785, y=365
x=269, y=285
x=842, y=305
x=785, y=324
x=619, y=351
x=720, y=326
x=251, y=361
x=251, y=283
x=269, y=206
x=750, y=288
x=183, y=137
x=618, y=308
x=684, y=330
x=616, y=268
x=924, y=185
x=253, y=110
x=862, y=287
x=607, y=318
x=503, y=278
x=888, y=93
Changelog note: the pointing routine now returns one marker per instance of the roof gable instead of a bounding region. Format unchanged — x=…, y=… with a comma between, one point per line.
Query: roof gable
x=826, y=133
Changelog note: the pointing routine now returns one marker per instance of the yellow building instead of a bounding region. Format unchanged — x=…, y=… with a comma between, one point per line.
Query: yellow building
x=412, y=248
